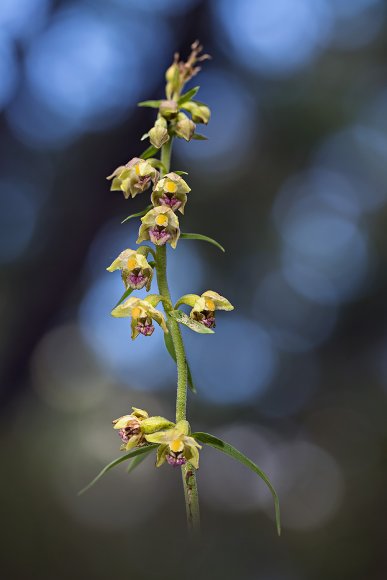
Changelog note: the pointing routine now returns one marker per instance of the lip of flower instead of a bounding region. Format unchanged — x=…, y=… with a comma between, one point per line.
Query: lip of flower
x=145, y=326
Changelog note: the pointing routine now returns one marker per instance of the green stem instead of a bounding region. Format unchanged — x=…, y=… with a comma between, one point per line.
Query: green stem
x=188, y=471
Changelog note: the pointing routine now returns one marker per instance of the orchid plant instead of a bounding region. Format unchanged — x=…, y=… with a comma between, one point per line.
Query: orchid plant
x=141, y=435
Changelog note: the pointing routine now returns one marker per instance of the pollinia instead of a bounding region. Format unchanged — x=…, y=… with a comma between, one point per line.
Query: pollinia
x=142, y=434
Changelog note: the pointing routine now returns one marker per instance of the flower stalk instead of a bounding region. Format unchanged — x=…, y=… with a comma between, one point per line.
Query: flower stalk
x=140, y=433
x=188, y=473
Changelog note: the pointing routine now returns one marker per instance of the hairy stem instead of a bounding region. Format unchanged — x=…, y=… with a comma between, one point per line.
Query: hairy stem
x=188, y=472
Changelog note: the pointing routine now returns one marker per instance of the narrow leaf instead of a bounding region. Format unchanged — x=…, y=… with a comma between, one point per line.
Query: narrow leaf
x=139, y=214
x=199, y=137
x=133, y=453
x=157, y=163
x=152, y=104
x=203, y=238
x=235, y=454
x=188, y=95
x=171, y=349
x=136, y=461
x=149, y=152
x=181, y=172
x=124, y=296
x=181, y=317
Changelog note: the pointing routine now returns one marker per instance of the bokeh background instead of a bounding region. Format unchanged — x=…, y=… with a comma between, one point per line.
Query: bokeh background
x=293, y=181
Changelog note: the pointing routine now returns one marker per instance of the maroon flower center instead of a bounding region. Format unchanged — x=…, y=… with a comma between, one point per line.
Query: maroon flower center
x=136, y=279
x=159, y=235
x=170, y=201
x=206, y=317
x=175, y=459
x=127, y=432
x=145, y=326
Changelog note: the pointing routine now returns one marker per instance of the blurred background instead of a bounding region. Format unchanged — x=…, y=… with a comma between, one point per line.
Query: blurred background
x=293, y=181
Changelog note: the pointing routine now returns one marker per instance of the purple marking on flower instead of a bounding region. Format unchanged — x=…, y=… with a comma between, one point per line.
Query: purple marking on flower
x=209, y=321
x=146, y=328
x=142, y=183
x=159, y=236
x=176, y=461
x=206, y=317
x=127, y=432
x=137, y=281
x=171, y=201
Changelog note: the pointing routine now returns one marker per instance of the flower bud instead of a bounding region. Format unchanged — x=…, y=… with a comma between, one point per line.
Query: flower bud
x=204, y=307
x=142, y=314
x=135, y=270
x=134, y=177
x=158, y=135
x=176, y=446
x=168, y=109
x=184, y=127
x=200, y=113
x=160, y=225
x=171, y=191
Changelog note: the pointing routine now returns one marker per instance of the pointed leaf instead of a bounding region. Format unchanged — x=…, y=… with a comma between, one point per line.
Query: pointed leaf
x=133, y=453
x=149, y=152
x=171, y=349
x=124, y=296
x=203, y=238
x=199, y=137
x=136, y=461
x=181, y=317
x=152, y=104
x=235, y=454
x=188, y=95
x=138, y=214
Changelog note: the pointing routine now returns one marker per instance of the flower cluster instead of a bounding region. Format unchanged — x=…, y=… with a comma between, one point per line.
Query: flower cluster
x=169, y=194
x=140, y=434
x=175, y=445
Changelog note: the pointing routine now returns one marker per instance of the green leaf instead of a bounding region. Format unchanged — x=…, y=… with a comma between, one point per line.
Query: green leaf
x=199, y=137
x=171, y=349
x=157, y=163
x=235, y=454
x=135, y=462
x=149, y=152
x=188, y=95
x=139, y=214
x=203, y=238
x=181, y=172
x=133, y=453
x=181, y=317
x=152, y=104
x=124, y=296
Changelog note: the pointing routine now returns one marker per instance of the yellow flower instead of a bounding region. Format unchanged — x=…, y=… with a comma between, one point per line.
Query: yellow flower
x=142, y=313
x=160, y=225
x=171, y=191
x=134, y=177
x=176, y=446
x=133, y=428
x=135, y=270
